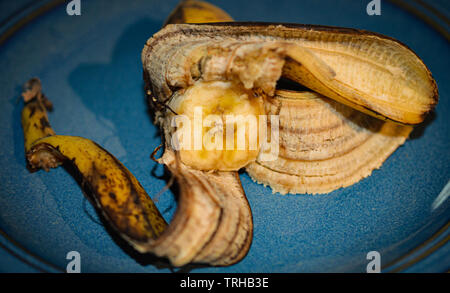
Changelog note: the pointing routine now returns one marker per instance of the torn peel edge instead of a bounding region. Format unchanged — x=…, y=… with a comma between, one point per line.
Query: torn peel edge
x=211, y=206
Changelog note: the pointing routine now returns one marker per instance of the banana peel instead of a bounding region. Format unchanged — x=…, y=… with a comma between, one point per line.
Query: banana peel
x=116, y=192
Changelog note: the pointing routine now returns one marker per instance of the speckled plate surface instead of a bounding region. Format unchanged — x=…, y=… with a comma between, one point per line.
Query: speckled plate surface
x=91, y=70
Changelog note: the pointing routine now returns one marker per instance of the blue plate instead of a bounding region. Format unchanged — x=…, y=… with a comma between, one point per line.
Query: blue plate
x=91, y=70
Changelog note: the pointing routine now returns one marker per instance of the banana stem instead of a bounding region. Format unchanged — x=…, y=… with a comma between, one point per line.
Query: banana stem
x=34, y=114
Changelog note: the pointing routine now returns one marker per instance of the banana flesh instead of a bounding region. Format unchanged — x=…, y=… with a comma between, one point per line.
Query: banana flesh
x=223, y=143
x=324, y=145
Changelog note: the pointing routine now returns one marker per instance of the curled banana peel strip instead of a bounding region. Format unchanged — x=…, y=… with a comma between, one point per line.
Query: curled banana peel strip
x=116, y=192
x=213, y=222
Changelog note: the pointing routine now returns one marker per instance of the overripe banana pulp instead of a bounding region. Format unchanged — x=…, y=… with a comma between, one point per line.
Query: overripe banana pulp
x=212, y=104
x=324, y=145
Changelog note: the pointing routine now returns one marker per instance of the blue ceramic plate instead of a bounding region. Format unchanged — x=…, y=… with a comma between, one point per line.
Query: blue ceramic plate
x=91, y=70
